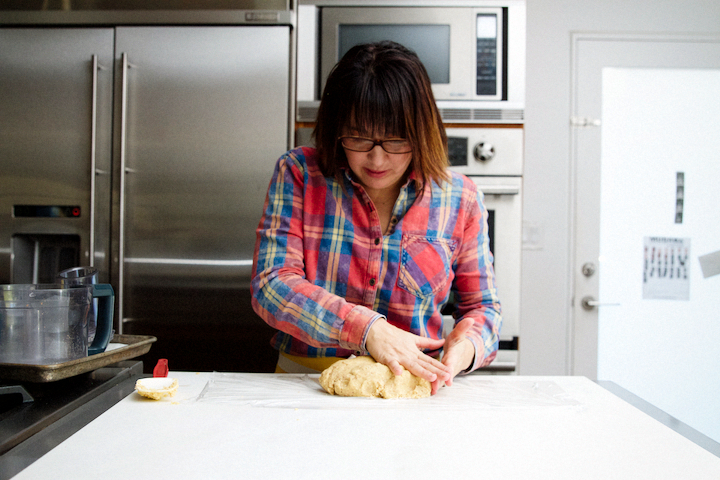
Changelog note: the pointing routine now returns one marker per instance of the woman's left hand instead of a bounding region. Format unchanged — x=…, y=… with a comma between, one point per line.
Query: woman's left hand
x=458, y=352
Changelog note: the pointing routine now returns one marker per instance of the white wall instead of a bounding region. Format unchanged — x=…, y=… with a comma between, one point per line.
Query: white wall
x=546, y=287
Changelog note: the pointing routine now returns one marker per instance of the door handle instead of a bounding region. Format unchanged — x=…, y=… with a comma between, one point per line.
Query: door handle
x=94, y=171
x=499, y=189
x=123, y=186
x=93, y=161
x=588, y=303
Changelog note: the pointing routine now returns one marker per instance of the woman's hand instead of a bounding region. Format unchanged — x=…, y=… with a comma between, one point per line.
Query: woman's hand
x=394, y=347
x=458, y=352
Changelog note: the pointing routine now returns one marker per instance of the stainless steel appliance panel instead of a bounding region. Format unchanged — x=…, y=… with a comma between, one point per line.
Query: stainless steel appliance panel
x=55, y=148
x=203, y=114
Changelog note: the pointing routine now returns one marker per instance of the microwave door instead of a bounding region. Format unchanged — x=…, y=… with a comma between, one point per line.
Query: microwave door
x=461, y=48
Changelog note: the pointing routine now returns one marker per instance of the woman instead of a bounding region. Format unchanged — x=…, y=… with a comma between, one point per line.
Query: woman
x=364, y=238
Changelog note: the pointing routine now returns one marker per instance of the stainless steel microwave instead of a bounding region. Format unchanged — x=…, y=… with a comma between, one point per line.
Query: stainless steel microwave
x=474, y=52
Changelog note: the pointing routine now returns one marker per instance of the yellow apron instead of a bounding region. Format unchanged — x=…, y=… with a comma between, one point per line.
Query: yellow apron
x=294, y=364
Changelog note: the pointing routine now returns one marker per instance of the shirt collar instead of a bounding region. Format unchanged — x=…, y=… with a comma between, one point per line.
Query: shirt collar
x=350, y=176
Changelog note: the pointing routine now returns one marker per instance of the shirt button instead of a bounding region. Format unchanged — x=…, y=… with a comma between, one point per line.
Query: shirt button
x=372, y=282
x=393, y=221
x=377, y=241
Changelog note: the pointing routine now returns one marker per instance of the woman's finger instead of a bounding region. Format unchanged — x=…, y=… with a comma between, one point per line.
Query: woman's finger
x=435, y=386
x=437, y=370
x=395, y=367
x=431, y=343
x=421, y=371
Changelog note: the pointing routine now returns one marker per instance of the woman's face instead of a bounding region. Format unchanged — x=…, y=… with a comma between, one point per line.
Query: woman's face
x=377, y=170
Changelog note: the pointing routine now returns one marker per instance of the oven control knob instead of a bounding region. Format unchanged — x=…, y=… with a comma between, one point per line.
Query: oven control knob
x=484, y=151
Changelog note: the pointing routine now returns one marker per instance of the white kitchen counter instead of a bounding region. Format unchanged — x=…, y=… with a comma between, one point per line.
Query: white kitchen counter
x=247, y=426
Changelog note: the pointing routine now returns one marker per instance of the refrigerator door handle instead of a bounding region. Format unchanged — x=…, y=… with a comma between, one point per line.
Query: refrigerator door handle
x=93, y=138
x=94, y=171
x=123, y=168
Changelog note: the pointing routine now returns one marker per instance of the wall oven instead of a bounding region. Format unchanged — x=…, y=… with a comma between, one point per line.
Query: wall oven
x=493, y=159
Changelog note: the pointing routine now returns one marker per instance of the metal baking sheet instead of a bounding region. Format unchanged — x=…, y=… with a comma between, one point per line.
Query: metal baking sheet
x=135, y=345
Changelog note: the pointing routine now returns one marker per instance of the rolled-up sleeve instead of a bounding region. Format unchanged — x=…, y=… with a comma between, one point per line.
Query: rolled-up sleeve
x=475, y=285
x=281, y=293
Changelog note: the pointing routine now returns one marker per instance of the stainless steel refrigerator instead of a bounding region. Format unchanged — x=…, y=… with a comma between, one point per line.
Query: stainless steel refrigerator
x=146, y=151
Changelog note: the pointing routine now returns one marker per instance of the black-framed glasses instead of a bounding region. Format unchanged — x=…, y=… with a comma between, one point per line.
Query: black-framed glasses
x=362, y=144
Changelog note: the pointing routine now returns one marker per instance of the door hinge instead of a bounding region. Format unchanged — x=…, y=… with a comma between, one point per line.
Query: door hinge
x=585, y=122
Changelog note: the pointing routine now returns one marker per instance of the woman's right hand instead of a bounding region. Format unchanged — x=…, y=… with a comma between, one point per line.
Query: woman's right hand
x=394, y=347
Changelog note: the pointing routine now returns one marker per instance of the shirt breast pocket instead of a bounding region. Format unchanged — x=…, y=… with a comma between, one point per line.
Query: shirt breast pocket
x=425, y=264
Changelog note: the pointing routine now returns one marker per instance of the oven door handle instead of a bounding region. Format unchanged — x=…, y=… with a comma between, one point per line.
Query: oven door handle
x=499, y=189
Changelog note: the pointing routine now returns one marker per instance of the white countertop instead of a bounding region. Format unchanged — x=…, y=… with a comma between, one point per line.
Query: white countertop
x=246, y=426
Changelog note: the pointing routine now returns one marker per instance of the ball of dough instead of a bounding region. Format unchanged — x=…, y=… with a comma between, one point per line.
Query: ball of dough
x=364, y=377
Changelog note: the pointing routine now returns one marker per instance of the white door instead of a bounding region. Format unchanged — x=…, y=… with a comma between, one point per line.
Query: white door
x=645, y=115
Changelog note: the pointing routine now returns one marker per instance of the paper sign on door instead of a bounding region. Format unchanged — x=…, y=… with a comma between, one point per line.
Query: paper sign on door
x=666, y=273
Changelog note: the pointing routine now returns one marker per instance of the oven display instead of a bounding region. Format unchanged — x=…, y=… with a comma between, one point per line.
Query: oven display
x=457, y=151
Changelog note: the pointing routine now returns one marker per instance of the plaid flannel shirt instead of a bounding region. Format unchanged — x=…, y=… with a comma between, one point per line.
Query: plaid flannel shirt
x=323, y=271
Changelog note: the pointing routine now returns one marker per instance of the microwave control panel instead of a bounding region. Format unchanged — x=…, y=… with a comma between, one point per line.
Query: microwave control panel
x=487, y=50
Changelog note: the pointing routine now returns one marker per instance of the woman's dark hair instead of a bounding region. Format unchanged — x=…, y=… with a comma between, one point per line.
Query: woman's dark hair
x=381, y=90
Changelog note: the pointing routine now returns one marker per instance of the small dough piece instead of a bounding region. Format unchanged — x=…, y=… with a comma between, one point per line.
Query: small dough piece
x=364, y=377
x=157, y=388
